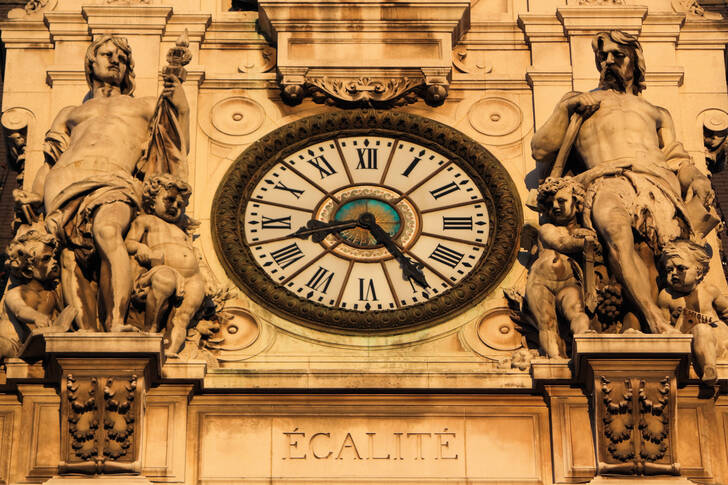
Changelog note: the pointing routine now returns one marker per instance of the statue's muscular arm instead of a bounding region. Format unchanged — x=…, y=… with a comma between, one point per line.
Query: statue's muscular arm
x=55, y=143
x=134, y=237
x=560, y=239
x=547, y=139
x=22, y=311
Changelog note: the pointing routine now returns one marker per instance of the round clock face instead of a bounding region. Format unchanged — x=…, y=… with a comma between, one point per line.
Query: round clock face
x=366, y=228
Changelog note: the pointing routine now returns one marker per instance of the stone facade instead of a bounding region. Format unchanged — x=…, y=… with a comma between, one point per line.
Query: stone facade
x=365, y=242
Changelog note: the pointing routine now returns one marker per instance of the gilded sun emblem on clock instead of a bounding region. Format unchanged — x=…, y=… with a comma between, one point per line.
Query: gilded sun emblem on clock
x=366, y=229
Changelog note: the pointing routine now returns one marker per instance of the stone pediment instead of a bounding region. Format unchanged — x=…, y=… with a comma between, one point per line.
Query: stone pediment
x=364, y=52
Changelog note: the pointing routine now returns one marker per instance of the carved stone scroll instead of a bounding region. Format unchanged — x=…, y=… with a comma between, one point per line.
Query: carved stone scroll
x=15, y=123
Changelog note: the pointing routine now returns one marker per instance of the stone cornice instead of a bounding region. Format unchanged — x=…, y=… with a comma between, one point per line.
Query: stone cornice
x=196, y=25
x=26, y=34
x=590, y=20
x=541, y=28
x=709, y=34
x=327, y=15
x=497, y=34
x=558, y=76
x=665, y=76
x=64, y=75
x=126, y=20
x=662, y=27
x=232, y=34
x=67, y=26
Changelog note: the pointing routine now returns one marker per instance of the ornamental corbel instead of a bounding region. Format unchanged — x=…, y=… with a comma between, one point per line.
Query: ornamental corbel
x=437, y=82
x=292, y=80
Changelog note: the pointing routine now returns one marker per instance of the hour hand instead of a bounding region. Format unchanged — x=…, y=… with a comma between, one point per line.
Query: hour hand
x=413, y=271
x=410, y=270
x=319, y=230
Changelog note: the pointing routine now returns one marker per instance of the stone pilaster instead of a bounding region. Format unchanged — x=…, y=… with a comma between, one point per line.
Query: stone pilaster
x=632, y=383
x=103, y=380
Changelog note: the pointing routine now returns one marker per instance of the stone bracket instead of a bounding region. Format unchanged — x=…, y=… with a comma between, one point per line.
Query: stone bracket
x=103, y=379
x=632, y=382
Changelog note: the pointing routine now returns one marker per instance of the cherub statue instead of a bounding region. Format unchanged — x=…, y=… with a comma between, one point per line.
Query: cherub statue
x=33, y=302
x=160, y=240
x=555, y=281
x=695, y=306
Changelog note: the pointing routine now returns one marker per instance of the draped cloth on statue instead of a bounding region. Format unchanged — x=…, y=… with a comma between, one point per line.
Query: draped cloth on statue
x=164, y=152
x=71, y=212
x=650, y=191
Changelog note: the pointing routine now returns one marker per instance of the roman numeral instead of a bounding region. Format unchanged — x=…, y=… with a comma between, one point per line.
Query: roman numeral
x=457, y=223
x=367, y=158
x=444, y=190
x=367, y=292
x=445, y=255
x=287, y=255
x=321, y=278
x=279, y=223
x=413, y=164
x=322, y=165
x=281, y=186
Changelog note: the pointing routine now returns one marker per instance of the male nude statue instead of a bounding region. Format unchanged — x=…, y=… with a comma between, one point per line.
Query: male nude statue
x=87, y=186
x=638, y=177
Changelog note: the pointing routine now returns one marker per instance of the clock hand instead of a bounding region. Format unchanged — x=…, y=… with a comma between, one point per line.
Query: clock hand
x=410, y=270
x=319, y=230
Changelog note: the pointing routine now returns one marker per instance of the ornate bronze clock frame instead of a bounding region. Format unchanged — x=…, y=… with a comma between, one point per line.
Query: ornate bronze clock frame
x=449, y=228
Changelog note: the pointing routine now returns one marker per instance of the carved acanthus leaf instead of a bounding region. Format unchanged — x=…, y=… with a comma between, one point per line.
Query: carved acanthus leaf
x=366, y=91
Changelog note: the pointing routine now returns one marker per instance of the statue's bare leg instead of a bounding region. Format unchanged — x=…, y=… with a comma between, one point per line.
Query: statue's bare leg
x=704, y=346
x=542, y=305
x=79, y=293
x=614, y=224
x=163, y=284
x=193, y=295
x=571, y=305
x=110, y=224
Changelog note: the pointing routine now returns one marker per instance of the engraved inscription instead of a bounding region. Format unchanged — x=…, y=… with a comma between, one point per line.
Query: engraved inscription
x=300, y=444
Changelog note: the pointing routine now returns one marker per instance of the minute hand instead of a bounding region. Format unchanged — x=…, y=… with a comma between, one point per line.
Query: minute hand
x=409, y=270
x=319, y=230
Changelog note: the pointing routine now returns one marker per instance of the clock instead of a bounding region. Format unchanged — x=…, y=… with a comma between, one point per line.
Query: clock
x=366, y=221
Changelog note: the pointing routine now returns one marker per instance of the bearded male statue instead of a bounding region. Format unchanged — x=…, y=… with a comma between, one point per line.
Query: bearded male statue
x=639, y=179
x=87, y=184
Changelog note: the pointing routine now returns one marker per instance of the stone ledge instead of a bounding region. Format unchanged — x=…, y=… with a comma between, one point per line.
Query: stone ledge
x=590, y=20
x=633, y=344
x=99, y=480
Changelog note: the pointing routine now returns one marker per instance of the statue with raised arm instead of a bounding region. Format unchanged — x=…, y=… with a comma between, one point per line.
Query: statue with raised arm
x=88, y=183
x=641, y=184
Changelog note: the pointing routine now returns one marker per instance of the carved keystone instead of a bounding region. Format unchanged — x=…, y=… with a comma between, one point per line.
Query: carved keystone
x=103, y=380
x=632, y=382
